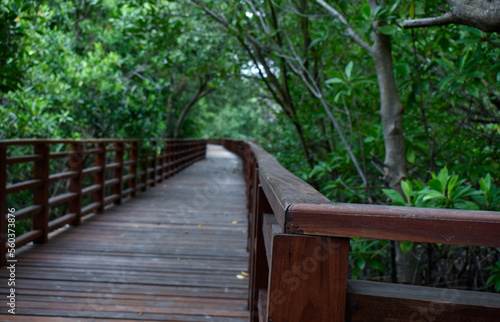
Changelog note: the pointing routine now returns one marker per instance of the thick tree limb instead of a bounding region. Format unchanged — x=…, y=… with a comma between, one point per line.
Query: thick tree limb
x=480, y=14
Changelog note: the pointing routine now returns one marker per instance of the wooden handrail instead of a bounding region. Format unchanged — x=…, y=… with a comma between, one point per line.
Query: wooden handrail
x=123, y=179
x=299, y=244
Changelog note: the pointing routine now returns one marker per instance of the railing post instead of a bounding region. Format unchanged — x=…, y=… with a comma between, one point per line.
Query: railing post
x=308, y=278
x=134, y=156
x=3, y=203
x=118, y=187
x=259, y=269
x=75, y=183
x=169, y=158
x=153, y=162
x=41, y=193
x=161, y=159
x=100, y=176
x=144, y=168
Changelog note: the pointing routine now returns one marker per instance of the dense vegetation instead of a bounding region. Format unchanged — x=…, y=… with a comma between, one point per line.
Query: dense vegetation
x=302, y=77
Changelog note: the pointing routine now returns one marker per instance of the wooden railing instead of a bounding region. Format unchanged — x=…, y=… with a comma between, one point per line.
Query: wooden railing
x=299, y=252
x=120, y=169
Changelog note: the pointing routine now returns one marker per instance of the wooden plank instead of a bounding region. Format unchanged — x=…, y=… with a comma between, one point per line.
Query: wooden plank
x=24, y=159
x=448, y=226
x=376, y=301
x=76, y=182
x=29, y=211
x=62, y=198
x=308, y=278
x=164, y=256
x=262, y=305
x=24, y=185
x=100, y=176
x=270, y=228
x=61, y=221
x=41, y=194
x=91, y=189
x=90, y=208
x=259, y=267
x=92, y=169
x=62, y=176
x=62, y=154
x=28, y=237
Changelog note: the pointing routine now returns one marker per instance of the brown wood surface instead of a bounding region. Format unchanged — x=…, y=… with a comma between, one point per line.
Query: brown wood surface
x=448, y=226
x=174, y=253
x=377, y=301
x=308, y=278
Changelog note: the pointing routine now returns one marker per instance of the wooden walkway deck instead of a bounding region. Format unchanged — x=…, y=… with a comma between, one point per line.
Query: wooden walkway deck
x=172, y=254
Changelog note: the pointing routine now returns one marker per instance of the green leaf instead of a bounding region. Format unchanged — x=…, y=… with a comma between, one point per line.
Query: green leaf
x=405, y=246
x=366, y=11
x=485, y=183
x=410, y=155
x=387, y=30
x=466, y=205
x=14, y=8
x=314, y=42
x=334, y=81
x=394, y=195
x=412, y=9
x=451, y=185
x=348, y=70
x=26, y=5
x=361, y=263
x=407, y=189
x=445, y=63
x=472, y=89
x=435, y=184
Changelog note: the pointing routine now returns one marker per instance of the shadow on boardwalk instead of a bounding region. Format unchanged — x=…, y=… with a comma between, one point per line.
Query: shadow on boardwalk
x=173, y=253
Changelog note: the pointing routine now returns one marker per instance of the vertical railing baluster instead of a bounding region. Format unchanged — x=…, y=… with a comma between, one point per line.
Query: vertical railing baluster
x=3, y=203
x=144, y=168
x=100, y=176
x=118, y=187
x=134, y=156
x=75, y=183
x=41, y=196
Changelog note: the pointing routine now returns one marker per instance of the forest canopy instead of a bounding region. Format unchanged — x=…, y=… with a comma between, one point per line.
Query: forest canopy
x=341, y=93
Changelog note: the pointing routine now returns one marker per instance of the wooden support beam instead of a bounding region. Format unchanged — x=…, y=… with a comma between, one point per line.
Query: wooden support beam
x=41, y=170
x=118, y=187
x=100, y=176
x=75, y=183
x=308, y=278
x=259, y=268
x=134, y=156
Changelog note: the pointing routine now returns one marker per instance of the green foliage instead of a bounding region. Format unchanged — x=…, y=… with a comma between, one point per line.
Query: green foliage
x=494, y=279
x=447, y=190
x=366, y=254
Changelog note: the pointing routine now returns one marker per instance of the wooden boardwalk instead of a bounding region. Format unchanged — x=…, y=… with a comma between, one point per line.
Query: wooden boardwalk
x=172, y=254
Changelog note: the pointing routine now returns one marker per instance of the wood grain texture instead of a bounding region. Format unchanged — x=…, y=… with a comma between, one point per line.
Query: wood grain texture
x=308, y=278
x=173, y=254
x=376, y=301
x=448, y=226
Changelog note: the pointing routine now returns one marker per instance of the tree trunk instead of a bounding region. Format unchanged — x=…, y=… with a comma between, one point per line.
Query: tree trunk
x=391, y=111
x=203, y=91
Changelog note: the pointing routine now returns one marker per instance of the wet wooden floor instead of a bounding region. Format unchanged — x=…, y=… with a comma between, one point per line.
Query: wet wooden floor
x=171, y=254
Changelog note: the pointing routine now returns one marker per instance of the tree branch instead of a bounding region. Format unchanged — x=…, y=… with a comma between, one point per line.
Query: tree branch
x=480, y=14
x=350, y=32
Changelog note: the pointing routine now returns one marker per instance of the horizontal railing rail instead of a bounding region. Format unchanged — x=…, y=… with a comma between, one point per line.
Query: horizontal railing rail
x=120, y=168
x=299, y=252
